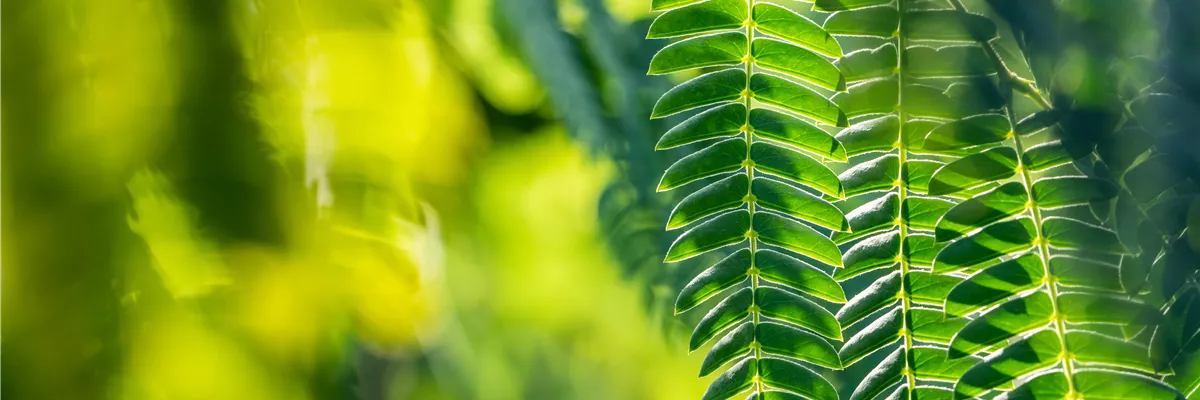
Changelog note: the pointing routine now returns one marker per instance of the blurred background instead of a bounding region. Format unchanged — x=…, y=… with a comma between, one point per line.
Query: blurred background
x=367, y=199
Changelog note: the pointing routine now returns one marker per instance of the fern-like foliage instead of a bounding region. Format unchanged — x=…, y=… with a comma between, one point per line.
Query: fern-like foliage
x=1042, y=294
x=763, y=145
x=921, y=101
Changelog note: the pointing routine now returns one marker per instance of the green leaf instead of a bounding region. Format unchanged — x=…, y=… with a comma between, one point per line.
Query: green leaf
x=921, y=393
x=928, y=101
x=1037, y=121
x=1095, y=383
x=799, y=275
x=878, y=134
x=974, y=170
x=948, y=25
x=791, y=96
x=871, y=176
x=1151, y=177
x=931, y=363
x=1002, y=202
x=930, y=326
x=1094, y=348
x=1047, y=155
x=923, y=213
x=735, y=380
x=735, y=344
x=921, y=249
x=786, y=24
x=786, y=199
x=722, y=275
x=841, y=5
x=704, y=51
x=993, y=241
x=947, y=61
x=1067, y=233
x=994, y=284
x=868, y=63
x=784, y=340
x=789, y=234
x=917, y=174
x=711, y=88
x=873, y=216
x=783, y=162
x=877, y=335
x=719, y=196
x=793, y=377
x=877, y=96
x=1095, y=308
x=1078, y=272
x=797, y=62
x=870, y=254
x=1038, y=351
x=700, y=18
x=660, y=5
x=881, y=293
x=886, y=374
x=722, y=157
x=972, y=131
x=718, y=122
x=787, y=129
x=789, y=307
x=1071, y=191
x=724, y=230
x=1001, y=323
x=729, y=311
x=879, y=21
x=930, y=289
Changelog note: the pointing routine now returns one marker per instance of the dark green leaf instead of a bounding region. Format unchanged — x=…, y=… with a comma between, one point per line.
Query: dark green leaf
x=993, y=241
x=1001, y=323
x=948, y=61
x=793, y=377
x=1048, y=155
x=1095, y=308
x=994, y=284
x=785, y=128
x=923, y=213
x=1094, y=383
x=710, y=88
x=999, y=203
x=886, y=374
x=948, y=25
x=1094, y=348
x=917, y=174
x=1038, y=351
x=799, y=275
x=1151, y=177
x=796, y=61
x=726, y=313
x=841, y=5
x=1078, y=272
x=879, y=21
x=781, y=161
x=719, y=196
x=1067, y=233
x=972, y=131
x=974, y=170
x=784, y=198
x=868, y=63
x=1071, y=191
x=660, y=5
x=789, y=234
x=875, y=175
x=877, y=96
x=709, y=16
x=1037, y=121
x=881, y=293
x=784, y=340
x=930, y=326
x=724, y=230
x=874, y=216
x=921, y=249
x=717, y=122
x=722, y=275
x=721, y=157
x=878, y=134
x=735, y=344
x=704, y=51
x=735, y=380
x=930, y=289
x=789, y=307
x=880, y=333
x=931, y=363
x=870, y=254
x=778, y=21
x=780, y=92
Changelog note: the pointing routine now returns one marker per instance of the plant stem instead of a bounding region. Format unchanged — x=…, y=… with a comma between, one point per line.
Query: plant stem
x=749, y=132
x=902, y=189
x=1027, y=87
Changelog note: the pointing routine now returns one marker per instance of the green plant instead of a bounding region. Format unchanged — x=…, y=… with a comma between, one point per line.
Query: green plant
x=764, y=144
